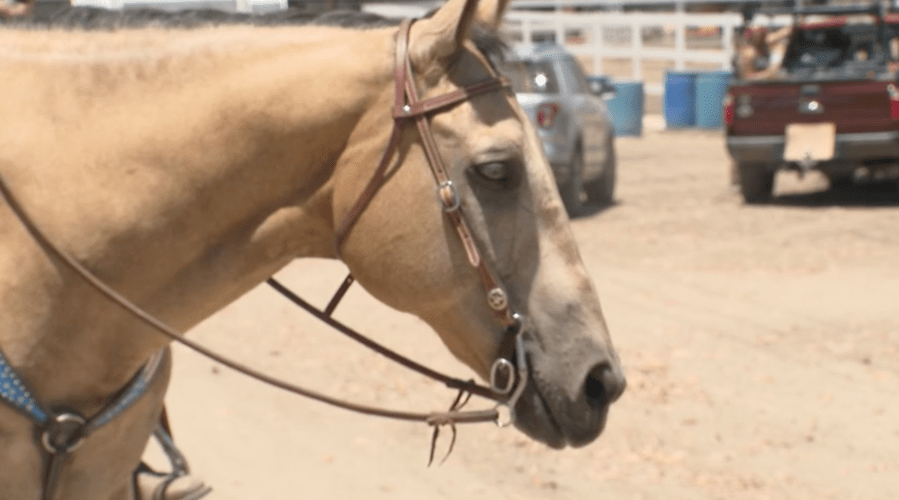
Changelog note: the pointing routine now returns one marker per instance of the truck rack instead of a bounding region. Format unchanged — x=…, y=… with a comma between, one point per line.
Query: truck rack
x=877, y=9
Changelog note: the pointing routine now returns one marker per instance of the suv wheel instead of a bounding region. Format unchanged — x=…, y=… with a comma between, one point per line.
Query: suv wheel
x=602, y=190
x=756, y=182
x=573, y=193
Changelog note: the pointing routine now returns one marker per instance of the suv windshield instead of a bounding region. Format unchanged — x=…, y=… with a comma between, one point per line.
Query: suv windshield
x=531, y=77
x=838, y=49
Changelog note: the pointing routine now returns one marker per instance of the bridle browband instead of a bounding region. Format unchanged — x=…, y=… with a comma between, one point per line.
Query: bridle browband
x=509, y=372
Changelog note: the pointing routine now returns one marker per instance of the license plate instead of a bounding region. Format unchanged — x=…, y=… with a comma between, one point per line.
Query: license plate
x=810, y=141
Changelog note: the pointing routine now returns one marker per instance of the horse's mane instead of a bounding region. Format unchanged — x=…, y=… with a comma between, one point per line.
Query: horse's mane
x=93, y=18
x=97, y=19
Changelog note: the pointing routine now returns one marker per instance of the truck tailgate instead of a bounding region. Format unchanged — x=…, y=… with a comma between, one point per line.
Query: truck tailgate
x=855, y=106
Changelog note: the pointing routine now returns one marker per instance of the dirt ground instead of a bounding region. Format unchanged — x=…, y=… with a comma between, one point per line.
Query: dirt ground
x=761, y=346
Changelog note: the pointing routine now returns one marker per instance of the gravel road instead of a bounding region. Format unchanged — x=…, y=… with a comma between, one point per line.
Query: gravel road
x=761, y=345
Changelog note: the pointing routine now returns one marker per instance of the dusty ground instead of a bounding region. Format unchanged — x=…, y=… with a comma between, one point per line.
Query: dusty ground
x=761, y=346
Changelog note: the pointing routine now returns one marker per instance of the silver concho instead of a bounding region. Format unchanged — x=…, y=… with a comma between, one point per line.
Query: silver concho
x=497, y=299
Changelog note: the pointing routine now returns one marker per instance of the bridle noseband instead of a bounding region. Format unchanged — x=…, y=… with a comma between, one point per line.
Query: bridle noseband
x=509, y=373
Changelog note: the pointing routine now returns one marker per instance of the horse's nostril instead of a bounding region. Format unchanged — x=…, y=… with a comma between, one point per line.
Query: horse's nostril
x=603, y=385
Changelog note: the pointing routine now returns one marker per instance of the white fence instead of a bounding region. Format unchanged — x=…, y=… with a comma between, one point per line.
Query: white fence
x=257, y=6
x=661, y=40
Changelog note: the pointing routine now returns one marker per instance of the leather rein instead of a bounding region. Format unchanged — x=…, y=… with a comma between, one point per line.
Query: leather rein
x=509, y=373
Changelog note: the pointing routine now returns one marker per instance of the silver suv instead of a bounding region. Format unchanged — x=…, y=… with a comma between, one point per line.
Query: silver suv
x=571, y=119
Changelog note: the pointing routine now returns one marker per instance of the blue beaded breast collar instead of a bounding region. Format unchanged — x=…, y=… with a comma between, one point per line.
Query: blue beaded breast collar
x=63, y=432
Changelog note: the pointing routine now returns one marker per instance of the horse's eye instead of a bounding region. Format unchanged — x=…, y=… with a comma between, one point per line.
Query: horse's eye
x=496, y=171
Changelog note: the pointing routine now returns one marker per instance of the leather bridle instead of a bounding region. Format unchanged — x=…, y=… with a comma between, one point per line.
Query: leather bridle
x=509, y=373
x=408, y=107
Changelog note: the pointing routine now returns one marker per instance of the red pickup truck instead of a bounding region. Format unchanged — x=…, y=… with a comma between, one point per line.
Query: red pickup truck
x=832, y=105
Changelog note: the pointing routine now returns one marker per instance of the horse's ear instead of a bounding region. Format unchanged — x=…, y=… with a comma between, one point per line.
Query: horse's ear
x=490, y=12
x=439, y=37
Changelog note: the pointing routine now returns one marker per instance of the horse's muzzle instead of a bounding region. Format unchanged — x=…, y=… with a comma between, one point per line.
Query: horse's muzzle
x=562, y=408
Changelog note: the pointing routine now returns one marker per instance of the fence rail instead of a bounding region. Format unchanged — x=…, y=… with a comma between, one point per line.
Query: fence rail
x=674, y=39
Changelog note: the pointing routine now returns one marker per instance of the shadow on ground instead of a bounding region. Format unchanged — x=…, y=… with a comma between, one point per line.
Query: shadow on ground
x=877, y=194
x=591, y=209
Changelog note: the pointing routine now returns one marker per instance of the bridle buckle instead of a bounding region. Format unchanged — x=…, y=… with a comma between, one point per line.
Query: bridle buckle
x=448, y=196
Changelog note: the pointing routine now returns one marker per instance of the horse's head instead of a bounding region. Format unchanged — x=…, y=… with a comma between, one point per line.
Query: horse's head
x=407, y=252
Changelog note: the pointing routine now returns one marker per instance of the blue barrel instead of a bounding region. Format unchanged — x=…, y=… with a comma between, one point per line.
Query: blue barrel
x=680, y=99
x=711, y=88
x=626, y=108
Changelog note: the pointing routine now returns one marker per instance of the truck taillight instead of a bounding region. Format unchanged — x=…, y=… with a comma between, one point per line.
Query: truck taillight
x=728, y=109
x=546, y=114
x=893, y=93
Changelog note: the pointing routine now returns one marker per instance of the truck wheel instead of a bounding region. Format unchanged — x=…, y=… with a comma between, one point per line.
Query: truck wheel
x=573, y=193
x=756, y=182
x=602, y=190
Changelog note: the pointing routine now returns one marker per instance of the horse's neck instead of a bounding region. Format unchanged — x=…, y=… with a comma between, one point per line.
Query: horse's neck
x=183, y=180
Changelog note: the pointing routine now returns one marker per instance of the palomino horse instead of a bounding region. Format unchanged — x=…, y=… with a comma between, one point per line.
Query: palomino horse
x=184, y=167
